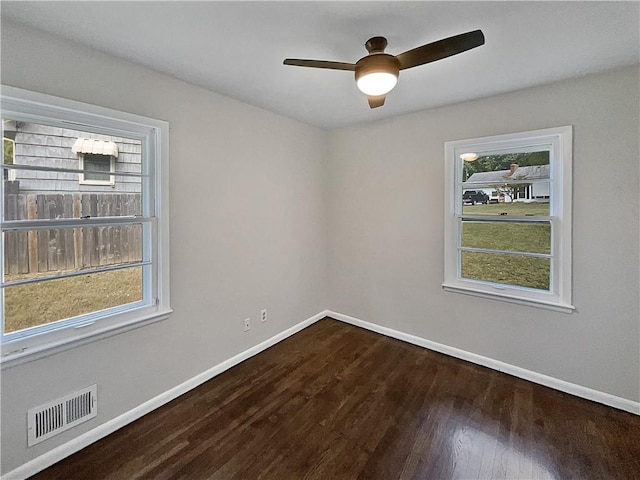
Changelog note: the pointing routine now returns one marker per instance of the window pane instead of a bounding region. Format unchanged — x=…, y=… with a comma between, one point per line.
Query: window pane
x=35, y=253
x=516, y=270
x=38, y=145
x=50, y=206
x=8, y=159
x=516, y=236
x=7, y=147
x=507, y=184
x=100, y=163
x=37, y=304
x=495, y=201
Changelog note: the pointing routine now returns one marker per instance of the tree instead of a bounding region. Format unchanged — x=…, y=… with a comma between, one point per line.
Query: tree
x=7, y=148
x=493, y=163
x=511, y=190
x=8, y=151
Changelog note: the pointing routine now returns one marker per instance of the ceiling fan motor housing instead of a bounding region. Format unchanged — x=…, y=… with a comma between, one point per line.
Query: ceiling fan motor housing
x=377, y=62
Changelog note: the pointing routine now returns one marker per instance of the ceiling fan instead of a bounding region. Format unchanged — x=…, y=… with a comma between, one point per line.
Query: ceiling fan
x=377, y=73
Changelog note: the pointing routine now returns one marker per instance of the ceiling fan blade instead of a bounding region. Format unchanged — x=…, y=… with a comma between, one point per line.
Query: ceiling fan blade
x=376, y=101
x=441, y=49
x=320, y=64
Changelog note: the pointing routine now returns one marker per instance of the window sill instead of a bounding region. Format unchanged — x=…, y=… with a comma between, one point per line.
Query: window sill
x=557, y=307
x=22, y=355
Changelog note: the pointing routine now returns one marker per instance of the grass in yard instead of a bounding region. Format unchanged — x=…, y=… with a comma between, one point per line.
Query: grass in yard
x=514, y=208
x=516, y=237
x=41, y=303
x=516, y=270
x=507, y=269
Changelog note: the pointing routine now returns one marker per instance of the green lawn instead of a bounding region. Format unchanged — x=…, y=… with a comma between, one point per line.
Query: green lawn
x=518, y=237
x=516, y=208
x=41, y=303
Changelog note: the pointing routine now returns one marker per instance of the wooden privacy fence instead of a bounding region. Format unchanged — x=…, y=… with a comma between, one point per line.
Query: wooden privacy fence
x=30, y=252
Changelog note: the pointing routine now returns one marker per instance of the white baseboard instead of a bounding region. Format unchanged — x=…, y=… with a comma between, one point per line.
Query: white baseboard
x=55, y=455
x=547, y=381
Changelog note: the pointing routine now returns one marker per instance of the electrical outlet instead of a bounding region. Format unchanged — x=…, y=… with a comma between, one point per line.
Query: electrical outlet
x=263, y=315
x=247, y=324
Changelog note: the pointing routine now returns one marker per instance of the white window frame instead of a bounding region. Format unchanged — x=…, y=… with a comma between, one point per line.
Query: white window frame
x=559, y=296
x=112, y=168
x=30, y=344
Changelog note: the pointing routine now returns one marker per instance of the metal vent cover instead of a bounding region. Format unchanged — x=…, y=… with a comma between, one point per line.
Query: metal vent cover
x=55, y=417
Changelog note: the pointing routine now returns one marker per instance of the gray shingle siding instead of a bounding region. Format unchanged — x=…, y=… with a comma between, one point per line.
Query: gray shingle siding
x=42, y=145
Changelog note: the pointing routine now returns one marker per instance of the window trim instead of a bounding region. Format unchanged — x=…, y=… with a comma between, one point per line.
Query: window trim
x=112, y=169
x=154, y=134
x=559, y=297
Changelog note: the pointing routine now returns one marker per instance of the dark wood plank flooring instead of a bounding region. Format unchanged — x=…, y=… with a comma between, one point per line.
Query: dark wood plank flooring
x=338, y=402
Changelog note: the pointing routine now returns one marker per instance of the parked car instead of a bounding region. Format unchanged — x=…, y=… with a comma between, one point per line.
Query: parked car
x=475, y=196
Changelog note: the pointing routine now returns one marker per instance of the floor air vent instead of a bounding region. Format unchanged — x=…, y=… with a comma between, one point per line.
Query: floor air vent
x=55, y=417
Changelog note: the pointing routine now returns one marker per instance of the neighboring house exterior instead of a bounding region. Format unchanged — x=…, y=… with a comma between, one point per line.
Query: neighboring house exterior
x=537, y=190
x=46, y=146
x=95, y=189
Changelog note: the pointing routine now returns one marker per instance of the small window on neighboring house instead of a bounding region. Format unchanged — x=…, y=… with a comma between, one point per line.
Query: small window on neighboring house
x=96, y=156
x=91, y=164
x=508, y=217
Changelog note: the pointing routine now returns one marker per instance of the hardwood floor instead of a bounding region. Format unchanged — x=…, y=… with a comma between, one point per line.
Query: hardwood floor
x=338, y=402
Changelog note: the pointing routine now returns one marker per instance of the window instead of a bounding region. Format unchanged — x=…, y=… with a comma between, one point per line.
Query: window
x=508, y=217
x=92, y=163
x=79, y=264
x=95, y=156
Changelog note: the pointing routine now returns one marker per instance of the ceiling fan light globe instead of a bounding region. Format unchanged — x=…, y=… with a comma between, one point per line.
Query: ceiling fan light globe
x=377, y=83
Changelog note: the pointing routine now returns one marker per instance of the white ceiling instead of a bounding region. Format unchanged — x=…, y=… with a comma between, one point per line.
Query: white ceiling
x=237, y=48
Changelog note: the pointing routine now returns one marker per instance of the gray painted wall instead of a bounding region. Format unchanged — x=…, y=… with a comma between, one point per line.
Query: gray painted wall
x=386, y=194
x=251, y=184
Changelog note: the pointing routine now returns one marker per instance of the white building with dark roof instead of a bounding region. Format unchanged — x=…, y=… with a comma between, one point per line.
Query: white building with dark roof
x=531, y=183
